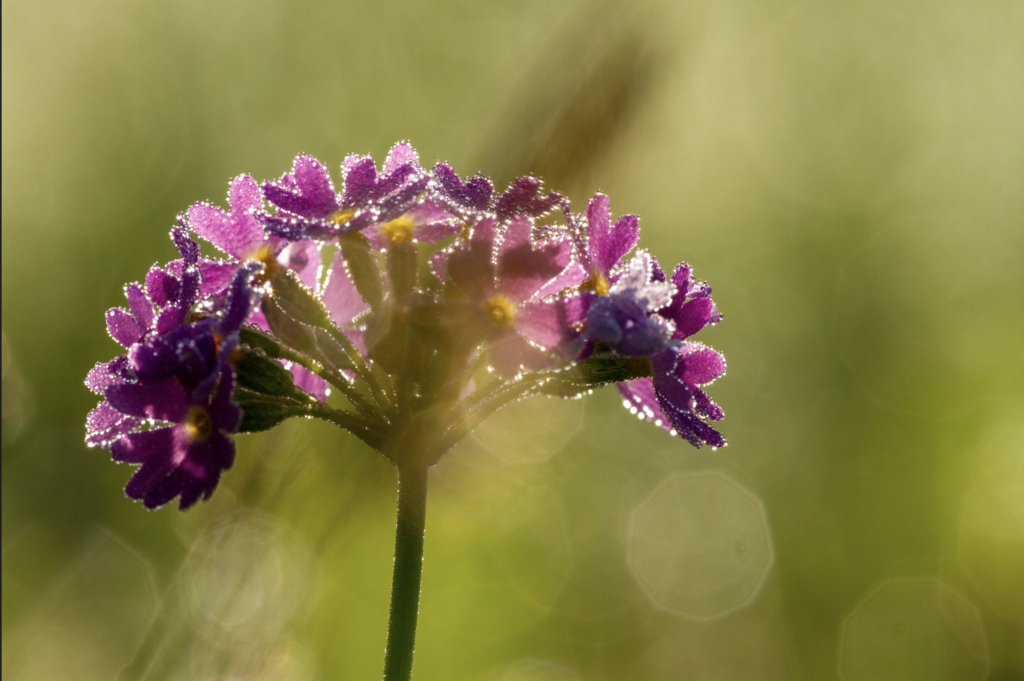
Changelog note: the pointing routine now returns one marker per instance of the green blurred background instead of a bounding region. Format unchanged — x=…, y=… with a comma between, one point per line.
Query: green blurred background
x=850, y=178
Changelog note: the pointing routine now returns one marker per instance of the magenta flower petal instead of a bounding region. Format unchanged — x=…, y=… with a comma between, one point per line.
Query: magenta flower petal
x=471, y=196
x=310, y=382
x=469, y=267
x=510, y=352
x=104, y=425
x=164, y=400
x=302, y=257
x=99, y=377
x=550, y=323
x=433, y=232
x=139, y=305
x=607, y=244
x=161, y=286
x=145, y=446
x=306, y=191
x=340, y=296
x=693, y=315
x=516, y=235
x=570, y=277
x=401, y=154
x=360, y=180
x=700, y=366
x=216, y=276
x=237, y=233
x=524, y=197
x=640, y=399
x=123, y=327
x=523, y=270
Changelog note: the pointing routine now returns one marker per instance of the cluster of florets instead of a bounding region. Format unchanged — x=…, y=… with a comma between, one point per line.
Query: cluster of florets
x=514, y=295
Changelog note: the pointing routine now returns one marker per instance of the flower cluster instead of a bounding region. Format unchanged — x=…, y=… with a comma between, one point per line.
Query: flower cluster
x=323, y=306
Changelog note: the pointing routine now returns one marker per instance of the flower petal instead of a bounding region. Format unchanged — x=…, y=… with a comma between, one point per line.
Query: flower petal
x=306, y=191
x=700, y=366
x=640, y=399
x=161, y=286
x=104, y=424
x=360, y=181
x=139, y=304
x=164, y=400
x=473, y=195
x=550, y=323
x=692, y=316
x=302, y=257
x=123, y=327
x=523, y=270
x=154, y=446
x=223, y=230
x=99, y=377
x=608, y=244
x=401, y=154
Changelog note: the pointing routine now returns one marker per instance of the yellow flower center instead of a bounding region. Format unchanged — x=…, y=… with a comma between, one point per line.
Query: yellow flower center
x=264, y=254
x=500, y=310
x=596, y=283
x=342, y=216
x=398, y=231
x=197, y=423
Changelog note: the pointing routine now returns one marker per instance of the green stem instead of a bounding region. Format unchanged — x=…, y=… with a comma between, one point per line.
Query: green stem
x=405, y=584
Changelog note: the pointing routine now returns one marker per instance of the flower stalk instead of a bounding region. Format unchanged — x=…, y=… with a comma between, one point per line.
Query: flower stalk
x=408, y=571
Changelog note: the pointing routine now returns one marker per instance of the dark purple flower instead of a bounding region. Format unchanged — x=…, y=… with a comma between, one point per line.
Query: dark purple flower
x=185, y=458
x=183, y=378
x=673, y=398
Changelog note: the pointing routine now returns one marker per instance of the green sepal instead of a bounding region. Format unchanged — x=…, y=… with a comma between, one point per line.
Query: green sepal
x=260, y=374
x=252, y=338
x=263, y=413
x=403, y=267
x=293, y=333
x=363, y=268
x=297, y=300
x=332, y=351
x=594, y=372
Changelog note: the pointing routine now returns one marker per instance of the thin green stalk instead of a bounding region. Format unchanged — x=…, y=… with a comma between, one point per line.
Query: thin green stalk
x=405, y=583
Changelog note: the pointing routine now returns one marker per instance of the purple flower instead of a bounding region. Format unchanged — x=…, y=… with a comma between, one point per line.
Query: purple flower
x=427, y=223
x=241, y=236
x=309, y=207
x=673, y=398
x=625, y=319
x=691, y=308
x=599, y=244
x=500, y=281
x=129, y=326
x=183, y=378
x=185, y=458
